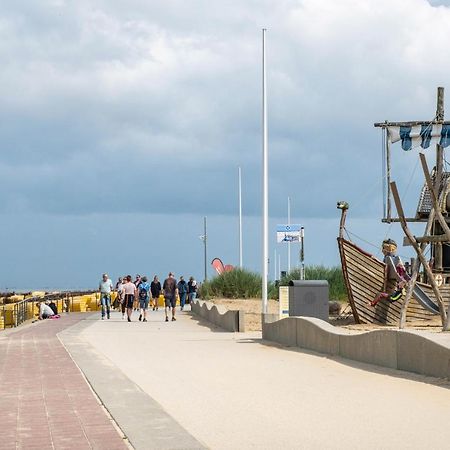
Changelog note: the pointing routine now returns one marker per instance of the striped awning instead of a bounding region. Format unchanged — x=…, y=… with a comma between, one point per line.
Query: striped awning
x=420, y=135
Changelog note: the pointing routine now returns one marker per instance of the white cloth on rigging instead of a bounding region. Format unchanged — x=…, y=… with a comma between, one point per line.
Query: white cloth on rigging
x=422, y=135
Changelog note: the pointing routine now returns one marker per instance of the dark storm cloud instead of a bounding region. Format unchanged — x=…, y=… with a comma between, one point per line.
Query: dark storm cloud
x=131, y=106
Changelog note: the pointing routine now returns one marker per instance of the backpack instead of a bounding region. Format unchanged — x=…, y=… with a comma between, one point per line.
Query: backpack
x=143, y=291
x=182, y=287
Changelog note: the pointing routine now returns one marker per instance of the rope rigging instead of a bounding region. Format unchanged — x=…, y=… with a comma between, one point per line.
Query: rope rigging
x=386, y=164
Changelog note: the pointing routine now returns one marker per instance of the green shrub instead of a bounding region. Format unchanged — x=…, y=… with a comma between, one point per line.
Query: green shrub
x=238, y=283
x=242, y=283
x=332, y=274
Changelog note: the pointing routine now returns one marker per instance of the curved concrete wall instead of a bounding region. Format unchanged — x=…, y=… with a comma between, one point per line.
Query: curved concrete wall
x=218, y=315
x=396, y=349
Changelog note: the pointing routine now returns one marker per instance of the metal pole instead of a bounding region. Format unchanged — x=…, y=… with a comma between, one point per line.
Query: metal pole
x=279, y=266
x=289, y=242
x=302, y=253
x=265, y=211
x=275, y=264
x=388, y=174
x=205, y=237
x=240, y=217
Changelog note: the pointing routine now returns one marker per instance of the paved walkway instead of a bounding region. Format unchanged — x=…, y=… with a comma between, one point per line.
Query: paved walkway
x=186, y=384
x=232, y=391
x=45, y=402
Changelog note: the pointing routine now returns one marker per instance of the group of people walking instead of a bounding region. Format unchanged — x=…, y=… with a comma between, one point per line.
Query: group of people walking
x=137, y=295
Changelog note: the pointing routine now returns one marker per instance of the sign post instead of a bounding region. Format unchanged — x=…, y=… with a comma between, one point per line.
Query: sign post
x=302, y=253
x=288, y=233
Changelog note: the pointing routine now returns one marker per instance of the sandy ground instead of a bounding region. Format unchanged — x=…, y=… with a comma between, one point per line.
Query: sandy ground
x=233, y=392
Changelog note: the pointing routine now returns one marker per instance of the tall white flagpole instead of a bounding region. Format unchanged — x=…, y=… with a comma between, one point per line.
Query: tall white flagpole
x=265, y=212
x=275, y=264
x=240, y=217
x=289, y=242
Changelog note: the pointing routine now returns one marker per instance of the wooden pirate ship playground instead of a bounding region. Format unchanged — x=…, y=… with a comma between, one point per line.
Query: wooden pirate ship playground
x=427, y=291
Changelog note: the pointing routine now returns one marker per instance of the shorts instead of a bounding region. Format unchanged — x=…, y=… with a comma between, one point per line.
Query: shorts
x=170, y=302
x=143, y=303
x=129, y=299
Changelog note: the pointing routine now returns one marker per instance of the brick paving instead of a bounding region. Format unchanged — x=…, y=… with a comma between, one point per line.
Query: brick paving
x=45, y=402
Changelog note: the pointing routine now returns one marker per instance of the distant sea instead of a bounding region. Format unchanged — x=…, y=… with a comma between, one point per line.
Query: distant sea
x=46, y=289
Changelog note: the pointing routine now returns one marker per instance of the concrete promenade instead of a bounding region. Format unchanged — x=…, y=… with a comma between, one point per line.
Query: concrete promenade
x=230, y=390
x=189, y=385
x=45, y=402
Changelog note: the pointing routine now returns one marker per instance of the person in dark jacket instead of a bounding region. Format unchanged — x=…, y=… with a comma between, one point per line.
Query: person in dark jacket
x=182, y=292
x=155, y=289
x=192, y=290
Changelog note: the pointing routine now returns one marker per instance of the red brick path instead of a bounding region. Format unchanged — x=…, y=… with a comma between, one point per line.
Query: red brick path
x=45, y=403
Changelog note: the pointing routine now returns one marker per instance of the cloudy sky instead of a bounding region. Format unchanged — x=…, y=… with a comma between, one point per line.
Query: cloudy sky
x=122, y=124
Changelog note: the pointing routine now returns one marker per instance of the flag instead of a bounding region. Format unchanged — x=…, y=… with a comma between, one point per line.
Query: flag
x=422, y=135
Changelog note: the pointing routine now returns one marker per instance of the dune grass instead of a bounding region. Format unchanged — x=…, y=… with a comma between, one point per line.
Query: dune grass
x=242, y=283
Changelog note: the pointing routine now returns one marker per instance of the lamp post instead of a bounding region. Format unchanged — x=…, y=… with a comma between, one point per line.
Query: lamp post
x=289, y=242
x=204, y=238
x=205, y=249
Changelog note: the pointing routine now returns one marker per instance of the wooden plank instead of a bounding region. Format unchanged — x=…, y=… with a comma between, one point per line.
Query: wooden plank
x=420, y=239
x=374, y=285
x=409, y=124
x=407, y=219
x=365, y=288
x=357, y=265
x=372, y=264
x=367, y=257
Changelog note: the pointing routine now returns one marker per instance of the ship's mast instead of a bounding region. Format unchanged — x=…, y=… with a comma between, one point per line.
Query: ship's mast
x=439, y=148
x=439, y=119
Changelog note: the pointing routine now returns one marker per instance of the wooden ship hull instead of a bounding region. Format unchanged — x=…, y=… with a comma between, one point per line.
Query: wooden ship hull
x=364, y=280
x=428, y=292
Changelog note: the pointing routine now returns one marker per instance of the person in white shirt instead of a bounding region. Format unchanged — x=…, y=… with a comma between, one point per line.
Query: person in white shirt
x=45, y=311
x=129, y=291
x=105, y=287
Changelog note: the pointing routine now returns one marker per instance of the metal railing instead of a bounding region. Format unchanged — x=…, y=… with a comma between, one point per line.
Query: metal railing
x=14, y=314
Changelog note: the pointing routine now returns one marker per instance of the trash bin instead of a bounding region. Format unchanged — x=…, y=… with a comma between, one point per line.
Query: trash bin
x=309, y=298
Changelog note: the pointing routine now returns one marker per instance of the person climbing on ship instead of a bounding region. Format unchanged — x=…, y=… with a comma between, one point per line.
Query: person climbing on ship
x=394, y=275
